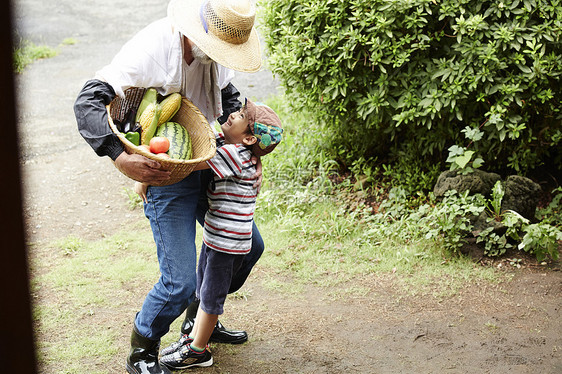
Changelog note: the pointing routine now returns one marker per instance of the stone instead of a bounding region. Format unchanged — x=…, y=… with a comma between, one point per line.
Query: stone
x=521, y=195
x=476, y=182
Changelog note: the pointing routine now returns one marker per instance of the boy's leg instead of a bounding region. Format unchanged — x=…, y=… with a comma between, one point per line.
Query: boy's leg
x=214, y=276
x=220, y=333
x=217, y=276
x=213, y=280
x=201, y=270
x=203, y=328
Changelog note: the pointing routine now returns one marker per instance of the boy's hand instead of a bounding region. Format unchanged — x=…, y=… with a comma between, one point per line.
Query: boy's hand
x=258, y=175
x=140, y=189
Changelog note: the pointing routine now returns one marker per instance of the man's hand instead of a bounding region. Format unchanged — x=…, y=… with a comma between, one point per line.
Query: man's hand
x=141, y=169
x=258, y=175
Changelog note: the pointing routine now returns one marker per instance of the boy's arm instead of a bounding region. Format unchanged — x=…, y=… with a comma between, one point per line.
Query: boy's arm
x=202, y=166
x=258, y=175
x=140, y=189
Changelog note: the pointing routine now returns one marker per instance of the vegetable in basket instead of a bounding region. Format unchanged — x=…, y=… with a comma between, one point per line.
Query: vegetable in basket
x=169, y=107
x=154, y=113
x=133, y=137
x=180, y=142
x=149, y=97
x=149, y=122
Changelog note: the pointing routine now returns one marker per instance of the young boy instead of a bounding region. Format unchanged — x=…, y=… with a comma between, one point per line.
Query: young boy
x=227, y=234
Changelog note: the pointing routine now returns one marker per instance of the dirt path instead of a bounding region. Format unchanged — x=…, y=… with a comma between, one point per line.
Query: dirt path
x=507, y=328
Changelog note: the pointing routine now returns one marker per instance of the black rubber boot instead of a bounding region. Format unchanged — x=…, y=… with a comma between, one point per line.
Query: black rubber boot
x=220, y=333
x=143, y=358
x=190, y=314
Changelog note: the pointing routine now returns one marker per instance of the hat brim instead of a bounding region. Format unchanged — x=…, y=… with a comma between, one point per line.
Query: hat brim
x=246, y=57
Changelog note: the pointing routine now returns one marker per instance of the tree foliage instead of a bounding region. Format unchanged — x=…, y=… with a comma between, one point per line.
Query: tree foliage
x=407, y=79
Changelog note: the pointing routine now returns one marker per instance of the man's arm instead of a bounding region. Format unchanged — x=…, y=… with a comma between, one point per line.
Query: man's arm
x=230, y=102
x=93, y=125
x=91, y=117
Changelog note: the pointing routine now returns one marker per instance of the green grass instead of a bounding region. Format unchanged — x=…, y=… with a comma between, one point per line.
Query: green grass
x=133, y=200
x=69, y=41
x=321, y=248
x=85, y=288
x=28, y=52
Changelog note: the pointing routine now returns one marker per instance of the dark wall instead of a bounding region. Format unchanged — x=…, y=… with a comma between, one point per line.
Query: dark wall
x=17, y=353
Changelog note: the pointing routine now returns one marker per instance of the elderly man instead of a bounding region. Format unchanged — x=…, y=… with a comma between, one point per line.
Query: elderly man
x=194, y=51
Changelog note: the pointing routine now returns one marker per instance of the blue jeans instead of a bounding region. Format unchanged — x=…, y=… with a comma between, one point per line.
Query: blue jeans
x=172, y=211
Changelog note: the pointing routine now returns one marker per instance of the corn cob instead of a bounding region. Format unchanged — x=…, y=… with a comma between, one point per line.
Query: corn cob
x=169, y=107
x=150, y=96
x=149, y=122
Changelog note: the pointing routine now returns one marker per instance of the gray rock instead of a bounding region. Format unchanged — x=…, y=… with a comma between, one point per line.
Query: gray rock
x=476, y=182
x=484, y=221
x=521, y=195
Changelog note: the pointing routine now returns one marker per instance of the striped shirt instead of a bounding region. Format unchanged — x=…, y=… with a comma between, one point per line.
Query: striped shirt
x=232, y=199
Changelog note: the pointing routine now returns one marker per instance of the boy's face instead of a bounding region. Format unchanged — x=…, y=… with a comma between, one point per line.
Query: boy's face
x=236, y=129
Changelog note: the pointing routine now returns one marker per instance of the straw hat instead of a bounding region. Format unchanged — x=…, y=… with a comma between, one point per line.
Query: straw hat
x=223, y=29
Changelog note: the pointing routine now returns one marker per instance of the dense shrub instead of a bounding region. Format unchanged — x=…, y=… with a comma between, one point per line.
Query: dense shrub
x=407, y=79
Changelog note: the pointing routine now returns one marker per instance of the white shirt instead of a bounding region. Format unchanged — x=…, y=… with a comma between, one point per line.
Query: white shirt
x=154, y=58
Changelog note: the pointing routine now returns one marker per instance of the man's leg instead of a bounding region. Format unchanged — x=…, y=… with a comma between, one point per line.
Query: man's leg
x=249, y=261
x=171, y=211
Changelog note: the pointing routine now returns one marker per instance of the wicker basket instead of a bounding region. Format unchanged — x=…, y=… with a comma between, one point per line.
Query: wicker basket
x=203, y=142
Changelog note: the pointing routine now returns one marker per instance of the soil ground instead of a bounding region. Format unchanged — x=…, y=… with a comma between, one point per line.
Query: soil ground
x=512, y=327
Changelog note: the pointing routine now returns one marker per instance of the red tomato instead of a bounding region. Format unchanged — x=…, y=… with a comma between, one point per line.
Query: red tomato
x=159, y=144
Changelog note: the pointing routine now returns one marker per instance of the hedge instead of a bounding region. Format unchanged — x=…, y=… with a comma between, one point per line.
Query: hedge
x=408, y=80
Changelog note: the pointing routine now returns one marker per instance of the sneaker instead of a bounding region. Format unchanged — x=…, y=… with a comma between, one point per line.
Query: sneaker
x=186, y=357
x=220, y=333
x=184, y=340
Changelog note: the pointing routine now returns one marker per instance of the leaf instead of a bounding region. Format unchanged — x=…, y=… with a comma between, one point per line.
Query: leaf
x=458, y=114
x=456, y=149
x=439, y=73
x=502, y=135
x=524, y=69
x=478, y=162
x=426, y=102
x=463, y=160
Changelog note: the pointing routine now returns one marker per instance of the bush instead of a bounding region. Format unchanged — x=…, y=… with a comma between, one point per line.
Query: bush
x=392, y=77
x=450, y=222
